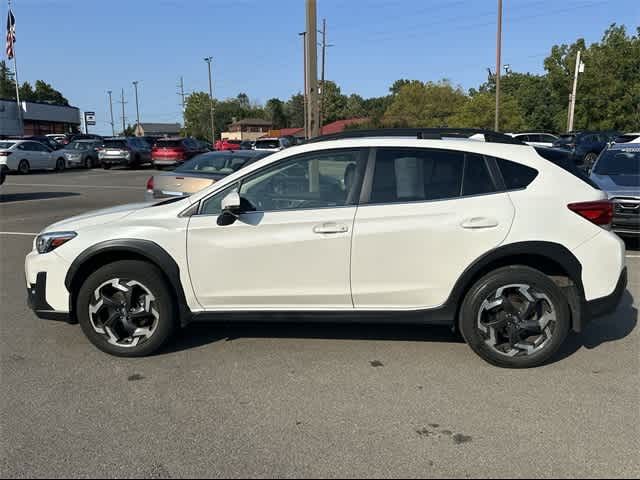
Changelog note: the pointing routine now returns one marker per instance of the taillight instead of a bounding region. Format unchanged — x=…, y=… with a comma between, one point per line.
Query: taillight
x=5, y=154
x=600, y=213
x=150, y=184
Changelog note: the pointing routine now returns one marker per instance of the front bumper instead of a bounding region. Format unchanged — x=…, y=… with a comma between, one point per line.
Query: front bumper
x=608, y=304
x=37, y=301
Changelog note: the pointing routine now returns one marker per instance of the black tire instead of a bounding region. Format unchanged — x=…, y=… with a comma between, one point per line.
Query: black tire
x=88, y=163
x=24, y=167
x=151, y=278
x=60, y=165
x=106, y=166
x=484, y=290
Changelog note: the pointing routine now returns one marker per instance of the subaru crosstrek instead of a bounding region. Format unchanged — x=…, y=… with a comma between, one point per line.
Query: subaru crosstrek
x=489, y=237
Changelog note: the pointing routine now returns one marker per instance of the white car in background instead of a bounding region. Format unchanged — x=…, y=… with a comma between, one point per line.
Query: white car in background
x=536, y=139
x=633, y=137
x=272, y=144
x=493, y=238
x=25, y=155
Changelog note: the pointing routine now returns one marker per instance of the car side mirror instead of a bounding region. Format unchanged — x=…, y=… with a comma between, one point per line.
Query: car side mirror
x=230, y=209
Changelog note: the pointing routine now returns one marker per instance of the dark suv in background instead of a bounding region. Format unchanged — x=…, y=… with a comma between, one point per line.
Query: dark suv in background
x=584, y=146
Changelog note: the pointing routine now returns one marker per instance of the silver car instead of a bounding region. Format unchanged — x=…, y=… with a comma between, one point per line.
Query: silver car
x=127, y=151
x=82, y=153
x=617, y=172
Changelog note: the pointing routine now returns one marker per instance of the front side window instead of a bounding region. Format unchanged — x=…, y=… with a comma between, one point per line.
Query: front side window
x=406, y=175
x=317, y=180
x=213, y=204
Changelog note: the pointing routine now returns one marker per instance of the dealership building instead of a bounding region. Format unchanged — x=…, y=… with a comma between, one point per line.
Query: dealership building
x=38, y=118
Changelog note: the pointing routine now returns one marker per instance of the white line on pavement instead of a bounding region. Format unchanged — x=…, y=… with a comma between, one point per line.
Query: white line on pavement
x=632, y=256
x=19, y=233
x=74, y=186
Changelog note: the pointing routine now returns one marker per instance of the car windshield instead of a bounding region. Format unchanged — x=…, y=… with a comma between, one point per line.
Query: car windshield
x=216, y=163
x=267, y=144
x=619, y=162
x=115, y=144
x=5, y=145
x=566, y=139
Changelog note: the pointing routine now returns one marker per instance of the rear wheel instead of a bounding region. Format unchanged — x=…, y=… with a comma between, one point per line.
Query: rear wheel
x=515, y=317
x=88, y=163
x=126, y=309
x=24, y=167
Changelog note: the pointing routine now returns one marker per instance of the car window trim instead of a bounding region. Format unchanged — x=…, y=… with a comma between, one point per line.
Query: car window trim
x=359, y=150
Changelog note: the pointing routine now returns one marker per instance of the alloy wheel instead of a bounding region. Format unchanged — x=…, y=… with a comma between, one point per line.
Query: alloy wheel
x=517, y=320
x=123, y=310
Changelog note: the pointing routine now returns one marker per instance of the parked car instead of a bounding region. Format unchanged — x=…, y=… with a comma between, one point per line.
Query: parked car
x=633, y=137
x=49, y=142
x=82, y=153
x=487, y=237
x=536, y=139
x=168, y=152
x=273, y=144
x=247, y=145
x=128, y=151
x=199, y=172
x=617, y=172
x=84, y=136
x=226, y=144
x=25, y=155
x=584, y=146
x=60, y=138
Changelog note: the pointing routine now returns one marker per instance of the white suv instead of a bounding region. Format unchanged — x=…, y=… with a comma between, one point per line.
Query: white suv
x=488, y=237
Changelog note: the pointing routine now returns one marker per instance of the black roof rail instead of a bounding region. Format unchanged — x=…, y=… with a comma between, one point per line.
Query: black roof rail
x=421, y=133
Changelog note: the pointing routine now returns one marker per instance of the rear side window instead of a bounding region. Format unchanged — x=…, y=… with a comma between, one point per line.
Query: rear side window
x=516, y=176
x=406, y=175
x=477, y=180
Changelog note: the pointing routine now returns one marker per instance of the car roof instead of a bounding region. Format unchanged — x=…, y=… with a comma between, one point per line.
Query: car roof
x=624, y=146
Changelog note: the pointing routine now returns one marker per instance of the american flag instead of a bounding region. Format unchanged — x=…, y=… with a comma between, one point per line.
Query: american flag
x=11, y=34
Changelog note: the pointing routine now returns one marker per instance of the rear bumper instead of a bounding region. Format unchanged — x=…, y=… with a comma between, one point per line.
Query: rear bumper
x=166, y=162
x=115, y=160
x=608, y=304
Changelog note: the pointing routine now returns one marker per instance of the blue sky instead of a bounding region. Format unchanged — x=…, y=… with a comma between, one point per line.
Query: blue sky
x=86, y=47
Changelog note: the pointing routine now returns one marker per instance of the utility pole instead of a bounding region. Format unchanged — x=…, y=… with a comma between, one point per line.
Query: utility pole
x=572, y=96
x=135, y=86
x=213, y=125
x=124, y=128
x=324, y=53
x=312, y=69
x=113, y=128
x=11, y=27
x=498, y=65
x=181, y=93
x=304, y=67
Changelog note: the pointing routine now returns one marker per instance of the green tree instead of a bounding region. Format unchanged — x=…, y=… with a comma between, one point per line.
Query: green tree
x=7, y=84
x=354, y=107
x=334, y=102
x=243, y=101
x=276, y=113
x=294, y=109
x=26, y=93
x=46, y=93
x=130, y=131
x=398, y=84
x=428, y=104
x=197, y=115
x=479, y=112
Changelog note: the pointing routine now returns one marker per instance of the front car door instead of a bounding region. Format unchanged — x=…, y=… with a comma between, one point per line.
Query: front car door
x=290, y=250
x=429, y=214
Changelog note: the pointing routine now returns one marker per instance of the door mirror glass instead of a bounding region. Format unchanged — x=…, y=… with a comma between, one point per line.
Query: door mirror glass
x=231, y=203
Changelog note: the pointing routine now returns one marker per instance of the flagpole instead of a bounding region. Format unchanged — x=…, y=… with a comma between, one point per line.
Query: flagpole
x=15, y=76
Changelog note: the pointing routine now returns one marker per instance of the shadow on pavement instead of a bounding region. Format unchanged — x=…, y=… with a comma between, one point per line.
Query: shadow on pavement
x=633, y=244
x=200, y=334
x=610, y=328
x=21, y=197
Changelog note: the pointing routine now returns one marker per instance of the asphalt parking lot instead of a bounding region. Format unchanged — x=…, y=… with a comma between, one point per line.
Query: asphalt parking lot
x=296, y=400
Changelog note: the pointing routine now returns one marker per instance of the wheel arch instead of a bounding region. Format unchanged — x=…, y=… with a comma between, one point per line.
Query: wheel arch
x=550, y=258
x=110, y=251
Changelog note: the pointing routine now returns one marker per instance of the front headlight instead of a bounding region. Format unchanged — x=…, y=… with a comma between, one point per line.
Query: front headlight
x=50, y=241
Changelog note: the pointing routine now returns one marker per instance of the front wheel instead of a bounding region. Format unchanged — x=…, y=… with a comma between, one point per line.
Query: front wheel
x=60, y=165
x=515, y=317
x=589, y=160
x=126, y=309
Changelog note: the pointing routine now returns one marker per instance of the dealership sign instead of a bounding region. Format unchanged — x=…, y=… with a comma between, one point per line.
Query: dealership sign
x=89, y=118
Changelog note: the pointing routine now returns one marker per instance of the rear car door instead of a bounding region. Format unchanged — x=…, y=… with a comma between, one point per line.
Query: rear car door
x=290, y=250
x=429, y=214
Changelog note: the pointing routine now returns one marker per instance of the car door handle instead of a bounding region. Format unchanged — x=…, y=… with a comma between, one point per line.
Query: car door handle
x=330, y=228
x=479, y=222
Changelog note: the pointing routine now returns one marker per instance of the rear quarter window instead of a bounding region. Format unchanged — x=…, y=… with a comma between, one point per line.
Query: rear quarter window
x=562, y=160
x=516, y=176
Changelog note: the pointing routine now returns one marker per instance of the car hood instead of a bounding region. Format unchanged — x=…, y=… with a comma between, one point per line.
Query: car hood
x=97, y=217
x=618, y=185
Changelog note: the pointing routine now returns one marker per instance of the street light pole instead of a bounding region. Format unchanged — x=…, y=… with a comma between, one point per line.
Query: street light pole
x=113, y=128
x=135, y=85
x=498, y=66
x=211, y=107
